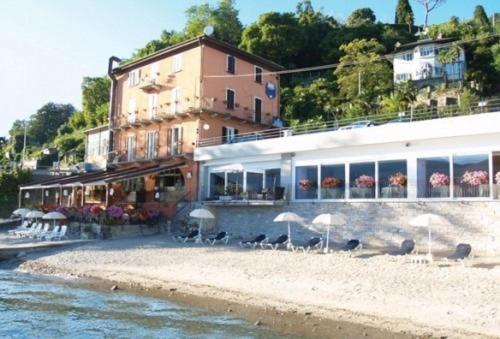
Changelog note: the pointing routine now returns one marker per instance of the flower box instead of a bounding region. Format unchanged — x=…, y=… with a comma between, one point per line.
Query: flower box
x=332, y=193
x=393, y=192
x=472, y=191
x=440, y=192
x=496, y=191
x=362, y=192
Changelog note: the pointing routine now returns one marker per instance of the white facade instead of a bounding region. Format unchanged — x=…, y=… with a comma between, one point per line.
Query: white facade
x=419, y=61
x=97, y=147
x=444, y=159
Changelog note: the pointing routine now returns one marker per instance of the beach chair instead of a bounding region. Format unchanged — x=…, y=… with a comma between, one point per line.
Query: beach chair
x=51, y=234
x=40, y=232
x=352, y=245
x=313, y=243
x=26, y=232
x=23, y=227
x=259, y=240
x=461, y=252
x=187, y=237
x=62, y=234
x=282, y=240
x=222, y=237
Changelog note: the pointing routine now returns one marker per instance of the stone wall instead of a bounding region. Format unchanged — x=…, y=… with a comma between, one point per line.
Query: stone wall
x=375, y=223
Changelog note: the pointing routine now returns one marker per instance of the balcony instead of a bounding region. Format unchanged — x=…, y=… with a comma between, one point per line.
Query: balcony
x=150, y=85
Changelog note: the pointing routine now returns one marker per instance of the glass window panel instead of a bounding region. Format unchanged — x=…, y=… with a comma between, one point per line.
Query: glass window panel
x=306, y=182
x=393, y=179
x=217, y=184
x=254, y=183
x=496, y=175
x=362, y=181
x=433, y=177
x=234, y=183
x=471, y=177
x=333, y=182
x=273, y=178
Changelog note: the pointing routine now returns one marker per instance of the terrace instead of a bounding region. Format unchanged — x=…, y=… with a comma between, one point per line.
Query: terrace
x=427, y=113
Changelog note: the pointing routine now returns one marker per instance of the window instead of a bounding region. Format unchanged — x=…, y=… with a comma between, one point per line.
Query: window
x=176, y=140
x=362, y=180
x=234, y=185
x=426, y=51
x=433, y=177
x=332, y=182
x=254, y=183
x=177, y=63
x=230, y=94
x=134, y=77
x=154, y=71
x=306, y=182
x=132, y=111
x=393, y=179
x=229, y=134
x=151, y=138
x=175, y=104
x=258, y=75
x=496, y=175
x=471, y=178
x=131, y=148
x=273, y=178
x=403, y=76
x=257, y=106
x=231, y=64
x=217, y=184
x=408, y=56
x=153, y=105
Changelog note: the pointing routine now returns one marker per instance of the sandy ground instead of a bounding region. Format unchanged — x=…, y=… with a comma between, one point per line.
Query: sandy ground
x=442, y=299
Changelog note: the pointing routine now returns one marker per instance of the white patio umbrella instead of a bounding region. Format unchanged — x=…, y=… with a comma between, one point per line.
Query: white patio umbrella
x=289, y=217
x=21, y=212
x=35, y=215
x=201, y=213
x=54, y=216
x=427, y=220
x=328, y=219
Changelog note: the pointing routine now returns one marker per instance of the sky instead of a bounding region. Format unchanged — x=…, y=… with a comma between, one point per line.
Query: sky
x=48, y=46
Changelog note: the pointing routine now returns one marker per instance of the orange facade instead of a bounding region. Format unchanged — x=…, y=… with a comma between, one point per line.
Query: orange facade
x=165, y=103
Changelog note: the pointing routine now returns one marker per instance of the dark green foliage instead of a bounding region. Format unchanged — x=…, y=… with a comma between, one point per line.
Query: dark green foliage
x=44, y=123
x=361, y=17
x=480, y=18
x=404, y=14
x=9, y=189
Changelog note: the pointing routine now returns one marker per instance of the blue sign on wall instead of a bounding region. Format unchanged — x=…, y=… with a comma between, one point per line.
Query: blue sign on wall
x=271, y=90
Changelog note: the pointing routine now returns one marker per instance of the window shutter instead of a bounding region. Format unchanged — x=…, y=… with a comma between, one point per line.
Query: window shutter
x=169, y=141
x=156, y=144
x=181, y=141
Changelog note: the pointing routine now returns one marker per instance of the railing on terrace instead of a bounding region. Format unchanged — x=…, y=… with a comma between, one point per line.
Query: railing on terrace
x=426, y=113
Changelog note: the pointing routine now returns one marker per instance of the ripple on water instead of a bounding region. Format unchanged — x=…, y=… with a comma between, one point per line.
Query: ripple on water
x=36, y=307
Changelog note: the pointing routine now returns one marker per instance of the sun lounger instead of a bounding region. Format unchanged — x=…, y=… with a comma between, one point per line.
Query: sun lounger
x=222, y=237
x=313, y=243
x=61, y=235
x=461, y=252
x=259, y=240
x=187, y=237
x=23, y=227
x=40, y=232
x=282, y=240
x=51, y=234
x=28, y=231
x=351, y=245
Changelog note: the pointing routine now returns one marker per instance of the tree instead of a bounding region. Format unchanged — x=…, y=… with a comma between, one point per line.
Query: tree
x=449, y=55
x=480, y=70
x=224, y=18
x=404, y=14
x=95, y=95
x=429, y=6
x=363, y=74
x=401, y=98
x=495, y=51
x=480, y=18
x=361, y=17
x=275, y=36
x=44, y=123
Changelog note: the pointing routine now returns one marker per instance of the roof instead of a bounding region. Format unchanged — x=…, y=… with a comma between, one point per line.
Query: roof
x=96, y=129
x=421, y=42
x=105, y=176
x=194, y=42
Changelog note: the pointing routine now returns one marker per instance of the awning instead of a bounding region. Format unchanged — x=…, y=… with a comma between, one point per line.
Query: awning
x=104, y=177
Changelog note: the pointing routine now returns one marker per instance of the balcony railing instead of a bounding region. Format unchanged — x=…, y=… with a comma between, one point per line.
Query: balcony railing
x=427, y=113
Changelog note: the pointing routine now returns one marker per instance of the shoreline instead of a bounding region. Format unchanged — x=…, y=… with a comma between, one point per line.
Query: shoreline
x=259, y=296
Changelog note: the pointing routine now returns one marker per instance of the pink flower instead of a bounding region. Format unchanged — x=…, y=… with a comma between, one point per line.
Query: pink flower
x=438, y=179
x=475, y=178
x=365, y=181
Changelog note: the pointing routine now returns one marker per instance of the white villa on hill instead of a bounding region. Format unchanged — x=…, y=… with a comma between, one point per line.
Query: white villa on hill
x=418, y=61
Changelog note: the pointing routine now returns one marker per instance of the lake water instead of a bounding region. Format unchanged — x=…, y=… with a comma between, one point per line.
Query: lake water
x=39, y=308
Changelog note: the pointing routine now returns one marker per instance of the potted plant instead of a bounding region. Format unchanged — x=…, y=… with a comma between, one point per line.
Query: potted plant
x=397, y=186
x=474, y=184
x=331, y=188
x=307, y=189
x=364, y=187
x=440, y=185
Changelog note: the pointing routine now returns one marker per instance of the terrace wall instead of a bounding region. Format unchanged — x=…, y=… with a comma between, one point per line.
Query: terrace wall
x=375, y=224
